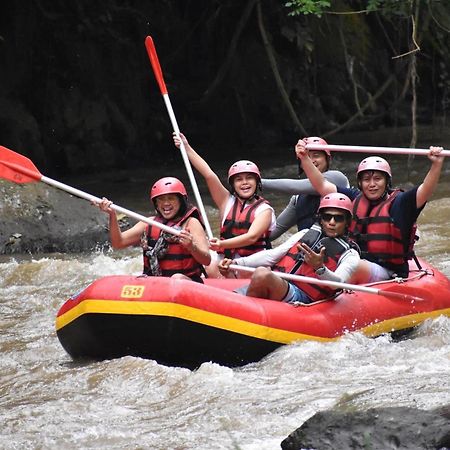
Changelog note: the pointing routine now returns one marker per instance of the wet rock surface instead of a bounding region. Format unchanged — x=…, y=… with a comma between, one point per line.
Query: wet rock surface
x=36, y=218
x=375, y=429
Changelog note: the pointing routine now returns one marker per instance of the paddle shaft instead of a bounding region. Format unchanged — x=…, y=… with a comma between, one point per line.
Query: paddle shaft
x=153, y=56
x=367, y=149
x=119, y=209
x=335, y=284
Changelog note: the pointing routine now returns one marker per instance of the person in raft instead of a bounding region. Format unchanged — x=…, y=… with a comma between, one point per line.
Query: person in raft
x=246, y=218
x=323, y=252
x=384, y=219
x=165, y=254
x=302, y=207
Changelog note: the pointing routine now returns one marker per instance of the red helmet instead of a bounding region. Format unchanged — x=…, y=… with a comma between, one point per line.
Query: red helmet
x=243, y=166
x=167, y=185
x=374, y=163
x=317, y=140
x=336, y=200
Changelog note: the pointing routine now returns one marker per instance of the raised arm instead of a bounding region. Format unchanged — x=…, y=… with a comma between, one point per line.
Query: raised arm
x=426, y=189
x=318, y=181
x=218, y=191
x=293, y=186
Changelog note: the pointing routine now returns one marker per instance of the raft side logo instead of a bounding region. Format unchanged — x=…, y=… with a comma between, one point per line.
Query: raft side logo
x=130, y=291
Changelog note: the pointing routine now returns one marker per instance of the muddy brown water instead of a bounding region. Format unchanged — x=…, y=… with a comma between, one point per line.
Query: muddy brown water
x=47, y=401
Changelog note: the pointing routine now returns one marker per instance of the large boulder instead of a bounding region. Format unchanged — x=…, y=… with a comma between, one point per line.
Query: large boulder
x=375, y=429
x=37, y=218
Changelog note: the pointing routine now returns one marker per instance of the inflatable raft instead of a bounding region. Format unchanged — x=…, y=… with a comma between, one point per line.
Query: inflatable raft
x=182, y=323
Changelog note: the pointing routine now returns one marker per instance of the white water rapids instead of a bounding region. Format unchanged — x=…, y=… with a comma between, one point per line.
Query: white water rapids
x=47, y=401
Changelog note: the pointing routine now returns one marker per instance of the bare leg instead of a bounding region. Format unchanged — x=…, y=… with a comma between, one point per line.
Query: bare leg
x=213, y=270
x=180, y=276
x=265, y=284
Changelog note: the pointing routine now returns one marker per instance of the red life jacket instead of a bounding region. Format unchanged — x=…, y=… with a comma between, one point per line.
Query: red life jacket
x=293, y=261
x=380, y=240
x=239, y=222
x=177, y=259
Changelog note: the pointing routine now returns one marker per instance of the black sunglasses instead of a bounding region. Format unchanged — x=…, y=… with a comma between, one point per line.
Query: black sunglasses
x=338, y=218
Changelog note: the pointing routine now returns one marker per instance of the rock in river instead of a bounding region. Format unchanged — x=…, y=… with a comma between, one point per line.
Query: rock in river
x=37, y=218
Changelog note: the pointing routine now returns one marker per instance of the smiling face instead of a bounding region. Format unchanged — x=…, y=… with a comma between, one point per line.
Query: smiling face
x=168, y=205
x=333, y=221
x=245, y=184
x=373, y=184
x=319, y=159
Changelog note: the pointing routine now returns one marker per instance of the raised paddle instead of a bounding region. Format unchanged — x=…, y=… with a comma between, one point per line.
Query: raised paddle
x=19, y=169
x=367, y=149
x=151, y=50
x=335, y=284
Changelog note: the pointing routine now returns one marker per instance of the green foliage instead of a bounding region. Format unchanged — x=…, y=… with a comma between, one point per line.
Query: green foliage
x=315, y=7
x=318, y=7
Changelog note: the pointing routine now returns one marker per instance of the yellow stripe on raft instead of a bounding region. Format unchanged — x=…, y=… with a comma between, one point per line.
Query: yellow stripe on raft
x=402, y=323
x=229, y=323
x=186, y=313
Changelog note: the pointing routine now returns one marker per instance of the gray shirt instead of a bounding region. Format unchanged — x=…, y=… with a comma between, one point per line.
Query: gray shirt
x=288, y=218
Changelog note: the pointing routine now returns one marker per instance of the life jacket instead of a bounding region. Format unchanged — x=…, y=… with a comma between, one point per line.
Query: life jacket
x=380, y=240
x=239, y=222
x=177, y=259
x=293, y=261
x=306, y=206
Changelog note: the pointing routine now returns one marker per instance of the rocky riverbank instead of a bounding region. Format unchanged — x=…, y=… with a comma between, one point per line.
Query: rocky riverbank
x=36, y=218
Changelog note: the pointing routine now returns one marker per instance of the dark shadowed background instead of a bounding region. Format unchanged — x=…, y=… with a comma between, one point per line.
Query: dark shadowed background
x=78, y=95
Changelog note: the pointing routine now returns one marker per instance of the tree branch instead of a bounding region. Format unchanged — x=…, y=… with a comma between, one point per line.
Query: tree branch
x=230, y=54
x=276, y=73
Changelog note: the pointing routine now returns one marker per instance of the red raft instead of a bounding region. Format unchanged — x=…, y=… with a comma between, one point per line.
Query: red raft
x=182, y=323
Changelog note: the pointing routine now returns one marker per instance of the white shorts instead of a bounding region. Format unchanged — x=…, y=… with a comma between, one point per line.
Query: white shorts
x=378, y=273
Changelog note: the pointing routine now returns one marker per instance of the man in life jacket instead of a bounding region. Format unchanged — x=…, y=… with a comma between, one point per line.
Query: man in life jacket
x=165, y=254
x=302, y=207
x=384, y=219
x=322, y=252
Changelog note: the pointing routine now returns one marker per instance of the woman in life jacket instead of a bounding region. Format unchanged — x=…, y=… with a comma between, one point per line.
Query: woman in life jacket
x=165, y=254
x=246, y=218
x=384, y=219
x=323, y=252
x=302, y=207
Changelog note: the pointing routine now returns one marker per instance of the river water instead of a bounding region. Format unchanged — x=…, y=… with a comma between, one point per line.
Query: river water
x=48, y=401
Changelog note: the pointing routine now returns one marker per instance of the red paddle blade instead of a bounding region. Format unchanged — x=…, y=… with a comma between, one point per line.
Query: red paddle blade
x=151, y=50
x=17, y=168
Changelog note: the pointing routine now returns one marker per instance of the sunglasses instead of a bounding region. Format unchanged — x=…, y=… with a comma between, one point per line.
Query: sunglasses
x=338, y=218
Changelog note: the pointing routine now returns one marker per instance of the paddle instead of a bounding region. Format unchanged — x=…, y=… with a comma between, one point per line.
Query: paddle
x=335, y=284
x=19, y=169
x=367, y=149
x=151, y=50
